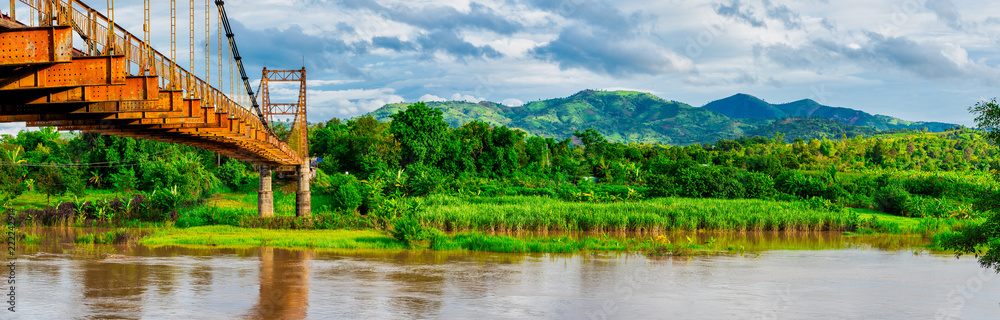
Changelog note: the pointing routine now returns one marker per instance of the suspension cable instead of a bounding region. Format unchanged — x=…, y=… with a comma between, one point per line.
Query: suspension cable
x=239, y=63
x=208, y=42
x=190, y=87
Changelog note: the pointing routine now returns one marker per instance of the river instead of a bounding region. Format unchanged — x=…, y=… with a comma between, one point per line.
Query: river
x=851, y=279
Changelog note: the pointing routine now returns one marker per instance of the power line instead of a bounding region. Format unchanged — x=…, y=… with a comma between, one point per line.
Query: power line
x=105, y=164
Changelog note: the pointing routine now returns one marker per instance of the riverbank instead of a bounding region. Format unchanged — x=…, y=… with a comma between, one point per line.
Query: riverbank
x=521, y=224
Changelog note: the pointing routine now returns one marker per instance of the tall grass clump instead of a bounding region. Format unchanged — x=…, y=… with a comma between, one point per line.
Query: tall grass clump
x=120, y=236
x=514, y=214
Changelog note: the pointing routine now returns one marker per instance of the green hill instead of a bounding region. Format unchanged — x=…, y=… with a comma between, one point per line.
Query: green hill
x=456, y=112
x=747, y=106
x=623, y=116
x=810, y=128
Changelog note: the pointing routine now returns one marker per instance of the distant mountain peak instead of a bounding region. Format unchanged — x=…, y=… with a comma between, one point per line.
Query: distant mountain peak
x=747, y=106
x=742, y=105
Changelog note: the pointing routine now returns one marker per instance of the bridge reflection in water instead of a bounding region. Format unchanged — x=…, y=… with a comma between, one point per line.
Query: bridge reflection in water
x=284, y=284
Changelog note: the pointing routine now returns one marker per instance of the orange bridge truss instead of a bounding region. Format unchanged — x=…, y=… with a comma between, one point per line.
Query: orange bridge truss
x=117, y=84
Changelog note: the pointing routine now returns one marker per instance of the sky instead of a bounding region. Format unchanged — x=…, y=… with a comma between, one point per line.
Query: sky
x=919, y=60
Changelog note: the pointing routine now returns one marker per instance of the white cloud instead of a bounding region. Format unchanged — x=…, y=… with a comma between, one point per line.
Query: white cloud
x=629, y=89
x=12, y=128
x=320, y=83
x=324, y=104
x=512, y=102
x=465, y=97
x=956, y=54
x=430, y=98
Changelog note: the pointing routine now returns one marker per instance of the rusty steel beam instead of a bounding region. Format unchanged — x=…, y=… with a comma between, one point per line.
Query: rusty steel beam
x=82, y=71
x=41, y=45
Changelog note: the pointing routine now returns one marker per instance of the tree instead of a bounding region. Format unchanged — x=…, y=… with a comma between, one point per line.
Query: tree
x=987, y=234
x=11, y=172
x=420, y=131
x=49, y=181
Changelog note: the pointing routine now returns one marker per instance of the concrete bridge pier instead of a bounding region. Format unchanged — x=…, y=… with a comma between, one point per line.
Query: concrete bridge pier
x=303, y=198
x=265, y=196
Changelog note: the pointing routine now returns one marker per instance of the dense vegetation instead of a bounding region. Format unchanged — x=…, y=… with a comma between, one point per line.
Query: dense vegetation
x=416, y=174
x=982, y=239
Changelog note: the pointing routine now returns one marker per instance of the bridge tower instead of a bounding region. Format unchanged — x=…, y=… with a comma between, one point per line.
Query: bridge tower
x=297, y=139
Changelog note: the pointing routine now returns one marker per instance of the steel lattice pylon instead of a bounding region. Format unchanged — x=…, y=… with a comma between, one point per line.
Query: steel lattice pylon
x=298, y=137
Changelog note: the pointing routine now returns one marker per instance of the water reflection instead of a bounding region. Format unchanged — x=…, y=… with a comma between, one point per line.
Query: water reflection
x=62, y=280
x=115, y=290
x=284, y=284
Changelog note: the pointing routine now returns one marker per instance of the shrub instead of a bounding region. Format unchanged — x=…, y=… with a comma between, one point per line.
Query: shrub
x=757, y=185
x=345, y=191
x=727, y=185
x=695, y=182
x=796, y=183
x=661, y=185
x=164, y=201
x=408, y=230
x=836, y=193
x=928, y=186
x=235, y=175
x=424, y=180
x=893, y=199
x=766, y=164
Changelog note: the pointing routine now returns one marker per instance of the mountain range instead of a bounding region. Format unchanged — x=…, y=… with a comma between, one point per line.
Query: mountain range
x=747, y=106
x=629, y=116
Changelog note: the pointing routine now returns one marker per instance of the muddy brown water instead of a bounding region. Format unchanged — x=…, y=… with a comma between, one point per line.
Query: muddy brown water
x=864, y=278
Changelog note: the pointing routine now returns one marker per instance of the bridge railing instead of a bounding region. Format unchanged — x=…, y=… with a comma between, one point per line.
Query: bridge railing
x=107, y=38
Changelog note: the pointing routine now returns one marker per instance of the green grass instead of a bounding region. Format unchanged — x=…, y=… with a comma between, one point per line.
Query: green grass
x=516, y=213
x=37, y=200
x=873, y=221
x=903, y=222
x=20, y=235
x=229, y=236
x=119, y=236
x=497, y=243
x=230, y=208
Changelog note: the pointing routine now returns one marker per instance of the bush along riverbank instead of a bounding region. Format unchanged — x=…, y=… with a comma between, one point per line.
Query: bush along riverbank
x=521, y=224
x=463, y=222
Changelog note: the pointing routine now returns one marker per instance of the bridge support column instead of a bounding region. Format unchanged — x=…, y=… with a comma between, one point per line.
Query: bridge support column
x=265, y=197
x=303, y=198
